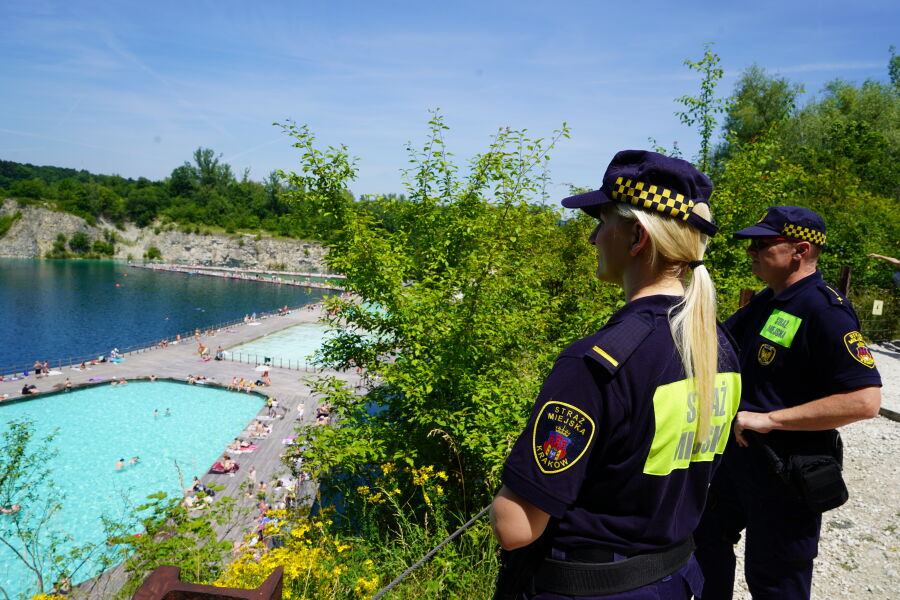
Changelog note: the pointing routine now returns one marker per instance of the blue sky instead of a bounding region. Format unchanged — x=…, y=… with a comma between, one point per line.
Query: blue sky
x=134, y=87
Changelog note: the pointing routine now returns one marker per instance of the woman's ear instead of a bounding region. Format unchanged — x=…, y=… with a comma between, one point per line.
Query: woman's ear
x=640, y=239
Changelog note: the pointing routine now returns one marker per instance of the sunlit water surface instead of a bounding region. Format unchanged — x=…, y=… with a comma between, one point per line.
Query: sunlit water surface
x=100, y=425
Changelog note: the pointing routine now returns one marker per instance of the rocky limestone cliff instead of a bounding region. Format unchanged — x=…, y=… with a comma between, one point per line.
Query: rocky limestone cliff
x=33, y=235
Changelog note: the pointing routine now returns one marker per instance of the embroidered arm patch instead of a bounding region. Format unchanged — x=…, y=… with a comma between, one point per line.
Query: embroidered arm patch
x=857, y=348
x=562, y=434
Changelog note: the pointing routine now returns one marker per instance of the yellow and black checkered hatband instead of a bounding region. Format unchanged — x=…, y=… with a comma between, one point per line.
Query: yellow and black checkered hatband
x=803, y=233
x=652, y=197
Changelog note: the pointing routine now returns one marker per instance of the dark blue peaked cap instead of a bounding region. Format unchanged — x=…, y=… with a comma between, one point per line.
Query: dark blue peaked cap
x=651, y=181
x=788, y=221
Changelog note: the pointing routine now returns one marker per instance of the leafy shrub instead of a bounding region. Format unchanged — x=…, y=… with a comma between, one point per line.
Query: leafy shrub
x=80, y=242
x=7, y=221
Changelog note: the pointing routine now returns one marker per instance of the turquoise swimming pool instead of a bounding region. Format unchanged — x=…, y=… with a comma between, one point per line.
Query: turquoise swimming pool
x=295, y=344
x=100, y=425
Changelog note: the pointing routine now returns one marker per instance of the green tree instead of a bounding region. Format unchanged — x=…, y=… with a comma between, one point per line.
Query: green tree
x=854, y=129
x=701, y=110
x=319, y=195
x=80, y=242
x=29, y=188
x=462, y=306
x=183, y=180
x=144, y=203
x=7, y=221
x=103, y=248
x=59, y=248
x=153, y=253
x=210, y=171
x=174, y=535
x=894, y=69
x=758, y=101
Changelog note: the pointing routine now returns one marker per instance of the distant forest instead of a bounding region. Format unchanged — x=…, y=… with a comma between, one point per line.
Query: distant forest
x=200, y=194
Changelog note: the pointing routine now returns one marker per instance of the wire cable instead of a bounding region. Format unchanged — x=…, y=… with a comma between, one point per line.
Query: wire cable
x=431, y=553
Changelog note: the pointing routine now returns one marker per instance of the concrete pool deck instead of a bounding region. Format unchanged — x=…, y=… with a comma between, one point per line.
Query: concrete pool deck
x=176, y=362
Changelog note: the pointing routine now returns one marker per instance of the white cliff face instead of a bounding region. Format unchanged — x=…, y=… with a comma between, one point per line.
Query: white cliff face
x=32, y=236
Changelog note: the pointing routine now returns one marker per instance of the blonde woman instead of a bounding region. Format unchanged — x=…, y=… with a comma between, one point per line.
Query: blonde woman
x=605, y=485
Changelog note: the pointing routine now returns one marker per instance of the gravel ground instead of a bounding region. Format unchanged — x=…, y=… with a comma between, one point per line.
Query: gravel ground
x=858, y=552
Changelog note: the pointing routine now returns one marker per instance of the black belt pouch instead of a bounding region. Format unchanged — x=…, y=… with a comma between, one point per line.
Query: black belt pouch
x=813, y=470
x=818, y=481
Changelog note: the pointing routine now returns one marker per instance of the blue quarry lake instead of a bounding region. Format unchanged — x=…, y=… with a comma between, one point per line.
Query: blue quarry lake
x=51, y=310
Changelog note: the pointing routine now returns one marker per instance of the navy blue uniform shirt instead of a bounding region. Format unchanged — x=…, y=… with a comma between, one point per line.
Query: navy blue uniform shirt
x=800, y=346
x=612, y=448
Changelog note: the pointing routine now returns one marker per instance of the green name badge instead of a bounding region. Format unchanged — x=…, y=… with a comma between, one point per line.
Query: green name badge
x=781, y=328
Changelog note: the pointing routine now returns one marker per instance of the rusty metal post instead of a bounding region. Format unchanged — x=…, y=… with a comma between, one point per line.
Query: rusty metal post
x=165, y=584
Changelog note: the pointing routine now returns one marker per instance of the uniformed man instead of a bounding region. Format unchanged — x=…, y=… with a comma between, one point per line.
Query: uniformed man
x=612, y=470
x=806, y=370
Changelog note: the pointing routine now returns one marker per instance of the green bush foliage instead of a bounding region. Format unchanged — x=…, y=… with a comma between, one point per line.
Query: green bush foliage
x=459, y=311
x=7, y=221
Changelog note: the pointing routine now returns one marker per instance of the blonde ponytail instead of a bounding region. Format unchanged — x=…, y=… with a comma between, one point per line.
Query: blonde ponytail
x=674, y=244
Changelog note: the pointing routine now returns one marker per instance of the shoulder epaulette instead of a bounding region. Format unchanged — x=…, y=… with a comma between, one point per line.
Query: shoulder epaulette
x=614, y=344
x=834, y=297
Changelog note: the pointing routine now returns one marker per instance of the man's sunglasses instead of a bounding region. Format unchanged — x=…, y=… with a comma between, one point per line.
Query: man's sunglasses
x=758, y=244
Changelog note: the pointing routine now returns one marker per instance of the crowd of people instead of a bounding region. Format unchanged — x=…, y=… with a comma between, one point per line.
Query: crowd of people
x=243, y=384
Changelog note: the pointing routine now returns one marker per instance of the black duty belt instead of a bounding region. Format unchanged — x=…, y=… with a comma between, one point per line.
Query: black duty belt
x=592, y=579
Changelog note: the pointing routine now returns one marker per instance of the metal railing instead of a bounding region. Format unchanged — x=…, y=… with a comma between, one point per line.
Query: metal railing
x=270, y=361
x=19, y=370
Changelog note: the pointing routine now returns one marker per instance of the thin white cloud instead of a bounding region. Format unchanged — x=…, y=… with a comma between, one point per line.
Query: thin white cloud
x=56, y=139
x=831, y=67
x=229, y=159
x=23, y=149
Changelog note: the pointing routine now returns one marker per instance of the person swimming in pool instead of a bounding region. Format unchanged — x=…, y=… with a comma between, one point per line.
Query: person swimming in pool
x=168, y=413
x=120, y=465
x=134, y=460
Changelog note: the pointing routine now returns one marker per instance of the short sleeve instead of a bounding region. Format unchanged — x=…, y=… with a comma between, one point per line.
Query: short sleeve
x=844, y=361
x=547, y=464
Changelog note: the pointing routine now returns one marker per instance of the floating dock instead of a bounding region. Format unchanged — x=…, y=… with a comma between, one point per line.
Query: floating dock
x=257, y=275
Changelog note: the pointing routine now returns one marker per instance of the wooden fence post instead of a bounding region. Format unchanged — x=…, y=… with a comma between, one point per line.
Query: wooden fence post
x=746, y=295
x=844, y=283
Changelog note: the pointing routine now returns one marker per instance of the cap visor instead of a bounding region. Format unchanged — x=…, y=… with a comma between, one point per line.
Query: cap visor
x=594, y=198
x=758, y=230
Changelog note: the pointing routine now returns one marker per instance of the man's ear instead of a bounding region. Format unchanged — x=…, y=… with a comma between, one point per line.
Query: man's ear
x=640, y=239
x=802, y=249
